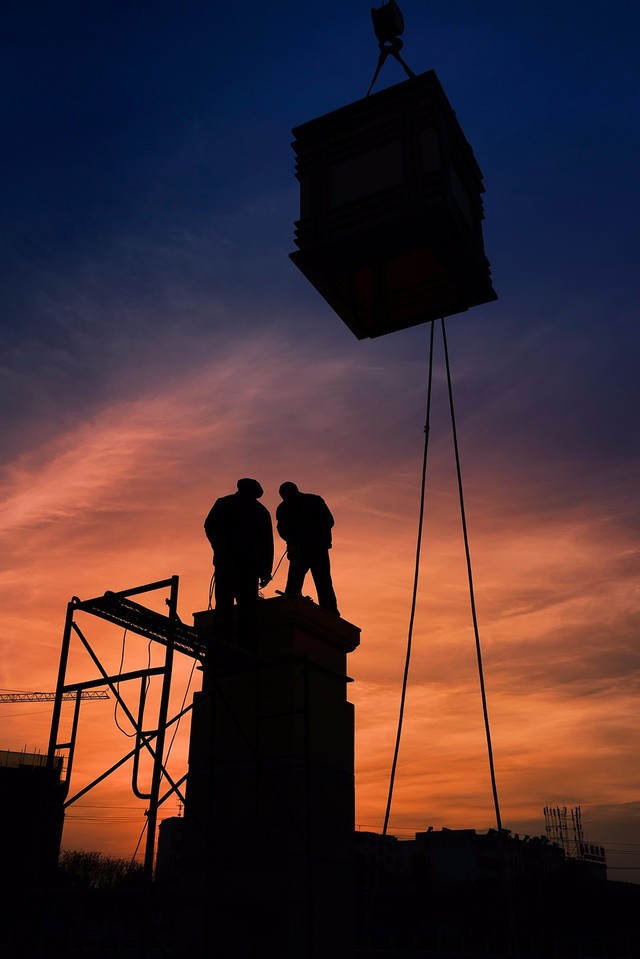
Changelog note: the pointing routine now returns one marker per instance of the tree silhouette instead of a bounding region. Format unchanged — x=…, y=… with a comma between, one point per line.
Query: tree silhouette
x=93, y=870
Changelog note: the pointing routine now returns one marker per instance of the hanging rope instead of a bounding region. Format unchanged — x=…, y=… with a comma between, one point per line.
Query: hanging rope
x=485, y=711
x=181, y=711
x=483, y=693
x=415, y=588
x=212, y=581
x=273, y=575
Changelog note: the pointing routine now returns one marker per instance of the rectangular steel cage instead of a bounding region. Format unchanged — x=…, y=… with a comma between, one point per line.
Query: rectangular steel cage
x=390, y=228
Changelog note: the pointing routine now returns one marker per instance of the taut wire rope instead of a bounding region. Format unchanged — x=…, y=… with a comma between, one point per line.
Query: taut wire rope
x=476, y=632
x=414, y=596
x=485, y=711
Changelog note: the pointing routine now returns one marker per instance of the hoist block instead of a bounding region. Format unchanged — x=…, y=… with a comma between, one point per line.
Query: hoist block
x=390, y=228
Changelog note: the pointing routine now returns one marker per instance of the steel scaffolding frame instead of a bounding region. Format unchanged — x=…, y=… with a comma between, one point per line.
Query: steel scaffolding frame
x=175, y=636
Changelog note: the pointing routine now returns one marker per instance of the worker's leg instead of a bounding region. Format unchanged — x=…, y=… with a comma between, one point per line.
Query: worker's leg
x=298, y=569
x=247, y=596
x=320, y=566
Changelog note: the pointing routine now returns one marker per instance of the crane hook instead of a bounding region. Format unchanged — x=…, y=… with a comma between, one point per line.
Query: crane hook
x=388, y=24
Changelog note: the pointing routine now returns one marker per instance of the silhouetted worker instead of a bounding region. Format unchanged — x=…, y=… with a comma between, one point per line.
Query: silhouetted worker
x=241, y=535
x=305, y=522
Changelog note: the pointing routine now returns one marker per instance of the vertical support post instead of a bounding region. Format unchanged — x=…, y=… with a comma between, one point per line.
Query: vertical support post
x=74, y=732
x=62, y=670
x=158, y=764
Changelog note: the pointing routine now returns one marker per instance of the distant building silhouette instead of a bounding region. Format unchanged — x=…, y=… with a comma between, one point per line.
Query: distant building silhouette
x=31, y=813
x=448, y=856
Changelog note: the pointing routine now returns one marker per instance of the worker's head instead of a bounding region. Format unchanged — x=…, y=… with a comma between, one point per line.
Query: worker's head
x=288, y=490
x=250, y=487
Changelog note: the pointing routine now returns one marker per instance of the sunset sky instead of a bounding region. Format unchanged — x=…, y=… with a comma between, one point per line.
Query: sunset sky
x=157, y=344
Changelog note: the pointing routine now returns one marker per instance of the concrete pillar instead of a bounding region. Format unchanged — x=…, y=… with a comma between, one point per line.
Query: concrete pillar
x=269, y=815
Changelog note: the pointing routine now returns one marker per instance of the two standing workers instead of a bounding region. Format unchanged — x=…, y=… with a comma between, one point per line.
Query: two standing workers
x=239, y=530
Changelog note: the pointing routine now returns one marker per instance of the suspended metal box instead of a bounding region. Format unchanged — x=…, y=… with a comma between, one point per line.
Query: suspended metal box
x=390, y=228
